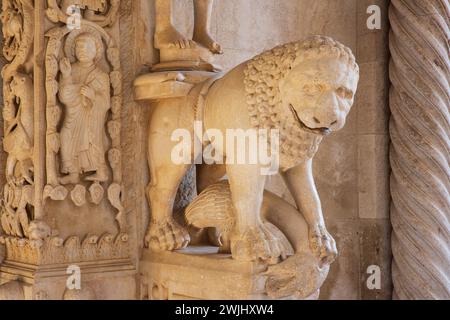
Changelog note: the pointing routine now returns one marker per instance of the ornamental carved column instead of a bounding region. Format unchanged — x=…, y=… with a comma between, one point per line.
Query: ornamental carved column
x=420, y=129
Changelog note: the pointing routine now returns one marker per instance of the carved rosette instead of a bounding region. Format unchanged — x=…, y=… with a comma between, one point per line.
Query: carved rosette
x=58, y=43
x=420, y=128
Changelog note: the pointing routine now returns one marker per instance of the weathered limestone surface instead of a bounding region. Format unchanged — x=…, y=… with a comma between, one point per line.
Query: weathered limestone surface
x=420, y=127
x=351, y=170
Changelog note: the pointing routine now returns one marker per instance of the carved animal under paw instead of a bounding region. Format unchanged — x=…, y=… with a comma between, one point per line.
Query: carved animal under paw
x=305, y=90
x=18, y=142
x=213, y=209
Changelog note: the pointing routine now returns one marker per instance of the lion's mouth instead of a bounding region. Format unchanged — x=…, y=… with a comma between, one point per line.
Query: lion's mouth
x=303, y=126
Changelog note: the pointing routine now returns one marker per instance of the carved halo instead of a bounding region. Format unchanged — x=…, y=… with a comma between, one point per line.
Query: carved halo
x=69, y=47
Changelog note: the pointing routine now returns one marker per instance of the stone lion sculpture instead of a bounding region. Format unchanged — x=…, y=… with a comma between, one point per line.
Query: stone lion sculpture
x=305, y=90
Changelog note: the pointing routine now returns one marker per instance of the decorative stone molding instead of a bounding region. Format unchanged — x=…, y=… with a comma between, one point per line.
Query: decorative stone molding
x=420, y=127
x=54, y=250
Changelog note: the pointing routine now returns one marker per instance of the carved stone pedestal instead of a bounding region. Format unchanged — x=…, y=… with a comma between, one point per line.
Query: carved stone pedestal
x=202, y=273
x=186, y=59
x=42, y=269
x=100, y=280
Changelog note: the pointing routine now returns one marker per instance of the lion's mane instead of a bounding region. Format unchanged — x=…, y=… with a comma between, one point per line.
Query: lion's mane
x=262, y=77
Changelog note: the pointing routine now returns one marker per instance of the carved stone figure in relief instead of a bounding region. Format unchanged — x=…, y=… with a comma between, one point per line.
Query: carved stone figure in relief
x=306, y=90
x=18, y=141
x=102, y=12
x=84, y=100
x=18, y=144
x=167, y=36
x=12, y=28
x=85, y=92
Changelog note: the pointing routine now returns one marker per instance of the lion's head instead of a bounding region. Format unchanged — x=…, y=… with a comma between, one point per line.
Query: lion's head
x=306, y=89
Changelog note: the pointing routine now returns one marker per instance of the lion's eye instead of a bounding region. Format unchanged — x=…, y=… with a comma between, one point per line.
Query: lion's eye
x=344, y=93
x=312, y=89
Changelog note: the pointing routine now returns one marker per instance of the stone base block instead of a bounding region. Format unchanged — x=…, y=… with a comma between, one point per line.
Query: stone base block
x=200, y=273
x=100, y=280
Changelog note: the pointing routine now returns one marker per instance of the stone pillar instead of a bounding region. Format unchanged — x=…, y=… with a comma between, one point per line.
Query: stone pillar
x=420, y=126
x=62, y=202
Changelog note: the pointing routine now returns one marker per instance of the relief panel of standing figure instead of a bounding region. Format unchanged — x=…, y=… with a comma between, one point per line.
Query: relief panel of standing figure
x=84, y=98
x=85, y=92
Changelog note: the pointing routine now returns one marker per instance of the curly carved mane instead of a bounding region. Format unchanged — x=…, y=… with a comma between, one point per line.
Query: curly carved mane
x=262, y=78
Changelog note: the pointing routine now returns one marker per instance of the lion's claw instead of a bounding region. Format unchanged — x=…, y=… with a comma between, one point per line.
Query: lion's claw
x=166, y=236
x=322, y=244
x=256, y=243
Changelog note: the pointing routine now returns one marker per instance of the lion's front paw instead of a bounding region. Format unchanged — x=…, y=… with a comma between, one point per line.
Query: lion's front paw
x=256, y=243
x=166, y=236
x=322, y=244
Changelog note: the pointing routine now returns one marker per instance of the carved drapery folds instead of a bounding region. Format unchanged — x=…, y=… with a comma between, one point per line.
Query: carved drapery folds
x=84, y=98
x=420, y=127
x=18, y=194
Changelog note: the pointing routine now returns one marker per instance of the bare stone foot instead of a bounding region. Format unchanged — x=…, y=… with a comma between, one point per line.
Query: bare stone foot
x=72, y=178
x=171, y=38
x=166, y=236
x=207, y=41
x=256, y=243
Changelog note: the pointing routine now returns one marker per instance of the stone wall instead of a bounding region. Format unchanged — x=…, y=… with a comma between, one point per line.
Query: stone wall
x=352, y=167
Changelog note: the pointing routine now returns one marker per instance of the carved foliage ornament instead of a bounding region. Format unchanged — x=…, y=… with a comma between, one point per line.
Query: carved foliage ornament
x=102, y=12
x=54, y=250
x=84, y=99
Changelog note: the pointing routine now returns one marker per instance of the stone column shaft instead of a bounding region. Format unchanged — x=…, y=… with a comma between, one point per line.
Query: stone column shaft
x=420, y=152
